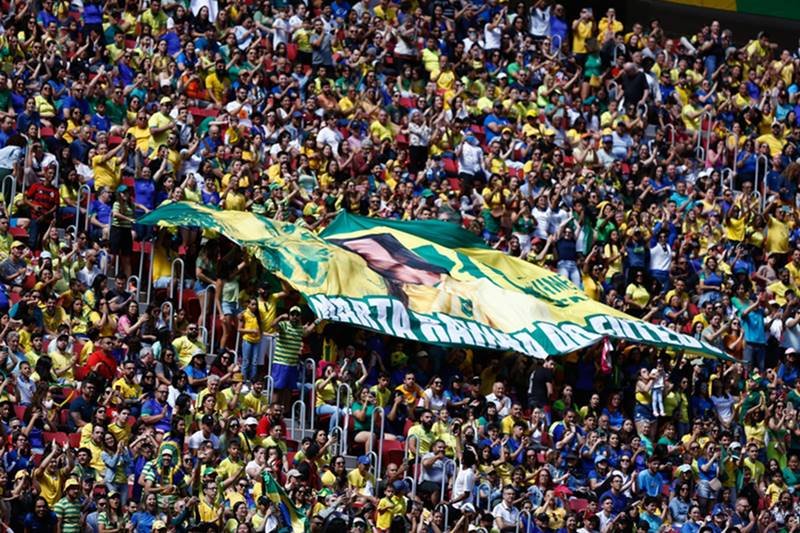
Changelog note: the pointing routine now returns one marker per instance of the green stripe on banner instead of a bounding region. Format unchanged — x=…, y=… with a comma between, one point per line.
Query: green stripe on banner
x=787, y=9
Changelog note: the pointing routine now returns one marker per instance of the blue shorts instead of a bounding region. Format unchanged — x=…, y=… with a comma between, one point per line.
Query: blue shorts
x=284, y=376
x=230, y=308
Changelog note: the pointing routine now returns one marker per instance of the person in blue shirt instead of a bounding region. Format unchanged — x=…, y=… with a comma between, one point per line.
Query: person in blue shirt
x=695, y=522
x=494, y=123
x=651, y=518
x=618, y=498
x=144, y=519
x=99, y=120
x=650, y=481
x=752, y=318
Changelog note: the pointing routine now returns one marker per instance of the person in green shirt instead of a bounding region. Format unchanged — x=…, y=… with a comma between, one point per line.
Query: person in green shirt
x=68, y=508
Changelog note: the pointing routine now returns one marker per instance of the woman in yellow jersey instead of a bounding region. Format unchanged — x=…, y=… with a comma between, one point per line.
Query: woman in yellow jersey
x=250, y=329
x=641, y=410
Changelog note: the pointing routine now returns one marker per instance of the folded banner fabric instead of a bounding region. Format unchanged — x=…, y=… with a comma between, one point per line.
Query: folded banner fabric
x=428, y=281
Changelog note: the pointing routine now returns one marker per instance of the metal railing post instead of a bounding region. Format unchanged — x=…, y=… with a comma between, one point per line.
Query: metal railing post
x=177, y=261
x=375, y=412
x=345, y=426
x=417, y=456
x=313, y=393
x=672, y=134
x=78, y=210
x=488, y=488
x=301, y=414
x=527, y=524
x=445, y=510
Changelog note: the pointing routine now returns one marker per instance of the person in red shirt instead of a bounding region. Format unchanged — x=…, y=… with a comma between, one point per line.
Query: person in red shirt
x=42, y=201
x=274, y=416
x=101, y=361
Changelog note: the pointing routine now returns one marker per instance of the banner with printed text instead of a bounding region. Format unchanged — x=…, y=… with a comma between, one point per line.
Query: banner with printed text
x=428, y=281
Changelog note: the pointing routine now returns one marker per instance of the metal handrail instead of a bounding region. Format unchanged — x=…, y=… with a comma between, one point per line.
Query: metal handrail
x=204, y=334
x=270, y=385
x=302, y=416
x=445, y=510
x=726, y=174
x=673, y=135
x=703, y=116
x=646, y=109
x=177, y=261
x=204, y=313
x=615, y=86
x=344, y=425
x=553, y=42
x=443, y=488
x=488, y=495
x=336, y=449
x=150, y=272
x=377, y=410
x=519, y=521
x=313, y=399
x=700, y=154
x=417, y=456
x=78, y=209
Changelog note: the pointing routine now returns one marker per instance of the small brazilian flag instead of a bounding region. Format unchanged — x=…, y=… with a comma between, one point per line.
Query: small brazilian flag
x=293, y=516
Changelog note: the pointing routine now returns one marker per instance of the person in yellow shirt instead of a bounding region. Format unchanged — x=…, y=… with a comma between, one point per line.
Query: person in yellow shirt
x=691, y=113
x=361, y=481
x=141, y=132
x=391, y=505
x=250, y=329
x=779, y=288
x=382, y=128
x=774, y=139
x=187, y=345
x=209, y=509
x=161, y=123
x=609, y=26
x=777, y=229
x=430, y=56
x=212, y=389
x=127, y=392
x=217, y=84
x=50, y=477
x=107, y=165
x=155, y=17
x=582, y=29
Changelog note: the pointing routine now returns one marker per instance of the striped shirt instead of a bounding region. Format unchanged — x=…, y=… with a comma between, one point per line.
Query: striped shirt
x=288, y=344
x=123, y=209
x=69, y=513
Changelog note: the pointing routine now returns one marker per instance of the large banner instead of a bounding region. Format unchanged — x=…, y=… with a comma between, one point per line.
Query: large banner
x=769, y=8
x=427, y=281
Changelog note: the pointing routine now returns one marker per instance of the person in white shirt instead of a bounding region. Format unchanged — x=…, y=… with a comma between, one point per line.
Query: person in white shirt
x=329, y=134
x=661, y=260
x=464, y=485
x=505, y=514
x=499, y=398
x=540, y=20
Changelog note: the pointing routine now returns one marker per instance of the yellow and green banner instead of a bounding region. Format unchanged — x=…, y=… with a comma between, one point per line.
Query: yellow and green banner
x=427, y=281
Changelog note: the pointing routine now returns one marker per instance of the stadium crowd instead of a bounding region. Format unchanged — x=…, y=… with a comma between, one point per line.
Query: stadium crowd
x=657, y=171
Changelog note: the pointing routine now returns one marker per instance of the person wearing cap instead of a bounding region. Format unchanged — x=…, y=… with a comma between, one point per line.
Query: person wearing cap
x=288, y=344
x=163, y=477
x=160, y=123
x=13, y=269
x=68, y=508
x=361, y=481
x=393, y=504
